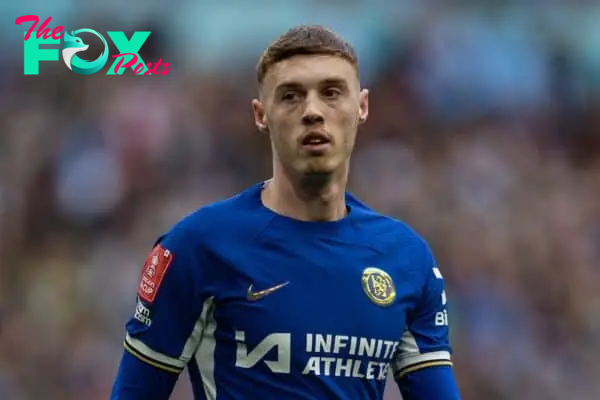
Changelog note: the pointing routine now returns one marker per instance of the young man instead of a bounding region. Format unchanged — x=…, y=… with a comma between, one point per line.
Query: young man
x=293, y=289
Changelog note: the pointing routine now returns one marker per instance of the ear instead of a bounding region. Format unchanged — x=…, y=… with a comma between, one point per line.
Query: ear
x=363, y=111
x=260, y=119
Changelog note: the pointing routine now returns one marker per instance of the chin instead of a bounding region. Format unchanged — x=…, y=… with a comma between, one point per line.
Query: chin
x=319, y=167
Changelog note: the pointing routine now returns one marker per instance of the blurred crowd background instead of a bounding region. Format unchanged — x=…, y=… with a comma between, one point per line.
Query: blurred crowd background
x=484, y=134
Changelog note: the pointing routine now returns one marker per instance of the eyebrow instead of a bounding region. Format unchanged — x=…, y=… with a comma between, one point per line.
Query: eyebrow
x=288, y=85
x=335, y=82
x=324, y=82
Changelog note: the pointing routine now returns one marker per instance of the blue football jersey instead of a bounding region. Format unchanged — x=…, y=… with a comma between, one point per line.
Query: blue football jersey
x=258, y=305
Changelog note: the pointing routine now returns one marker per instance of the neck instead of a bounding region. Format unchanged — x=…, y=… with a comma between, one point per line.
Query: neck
x=314, y=197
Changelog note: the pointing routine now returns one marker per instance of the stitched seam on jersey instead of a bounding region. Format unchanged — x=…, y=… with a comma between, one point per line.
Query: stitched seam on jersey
x=263, y=229
x=423, y=296
x=358, y=240
x=199, y=257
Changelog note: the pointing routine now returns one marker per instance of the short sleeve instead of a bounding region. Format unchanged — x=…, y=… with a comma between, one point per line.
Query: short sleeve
x=425, y=342
x=171, y=303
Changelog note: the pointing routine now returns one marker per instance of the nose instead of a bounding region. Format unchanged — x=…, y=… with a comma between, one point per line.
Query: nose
x=312, y=112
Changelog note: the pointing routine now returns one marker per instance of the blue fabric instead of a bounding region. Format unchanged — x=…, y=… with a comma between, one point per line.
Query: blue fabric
x=431, y=383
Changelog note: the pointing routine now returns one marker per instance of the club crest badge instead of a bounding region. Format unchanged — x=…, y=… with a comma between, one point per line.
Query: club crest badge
x=378, y=286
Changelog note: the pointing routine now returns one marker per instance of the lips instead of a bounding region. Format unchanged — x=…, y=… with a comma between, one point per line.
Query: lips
x=315, y=138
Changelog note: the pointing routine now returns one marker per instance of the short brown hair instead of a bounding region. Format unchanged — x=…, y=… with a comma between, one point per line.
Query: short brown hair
x=305, y=40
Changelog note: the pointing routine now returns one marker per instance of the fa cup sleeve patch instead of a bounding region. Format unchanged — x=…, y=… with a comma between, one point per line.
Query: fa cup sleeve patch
x=155, y=268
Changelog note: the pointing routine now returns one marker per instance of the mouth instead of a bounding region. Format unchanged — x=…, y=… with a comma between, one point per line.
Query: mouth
x=316, y=141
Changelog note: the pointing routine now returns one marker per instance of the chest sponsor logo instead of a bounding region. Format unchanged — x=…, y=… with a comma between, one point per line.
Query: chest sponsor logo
x=328, y=355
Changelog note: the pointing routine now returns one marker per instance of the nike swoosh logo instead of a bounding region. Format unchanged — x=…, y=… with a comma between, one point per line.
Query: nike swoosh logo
x=253, y=296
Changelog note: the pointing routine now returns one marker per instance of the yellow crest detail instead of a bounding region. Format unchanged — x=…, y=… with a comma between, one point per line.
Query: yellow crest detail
x=378, y=286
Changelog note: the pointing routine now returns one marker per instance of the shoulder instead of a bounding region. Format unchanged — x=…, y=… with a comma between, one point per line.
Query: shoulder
x=391, y=235
x=233, y=218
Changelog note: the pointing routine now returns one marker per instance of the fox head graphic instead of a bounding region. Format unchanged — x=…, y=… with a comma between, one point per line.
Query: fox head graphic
x=72, y=44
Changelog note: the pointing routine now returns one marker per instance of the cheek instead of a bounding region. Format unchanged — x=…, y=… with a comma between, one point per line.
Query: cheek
x=347, y=112
x=286, y=128
x=282, y=121
x=282, y=136
x=347, y=125
x=347, y=122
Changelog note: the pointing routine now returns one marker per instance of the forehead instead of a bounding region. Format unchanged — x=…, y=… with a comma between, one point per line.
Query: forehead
x=310, y=69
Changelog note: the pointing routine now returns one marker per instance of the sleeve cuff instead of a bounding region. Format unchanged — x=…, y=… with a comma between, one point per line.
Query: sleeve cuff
x=144, y=353
x=411, y=363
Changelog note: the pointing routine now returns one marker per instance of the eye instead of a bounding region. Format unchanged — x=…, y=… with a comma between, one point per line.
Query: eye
x=289, y=96
x=332, y=93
